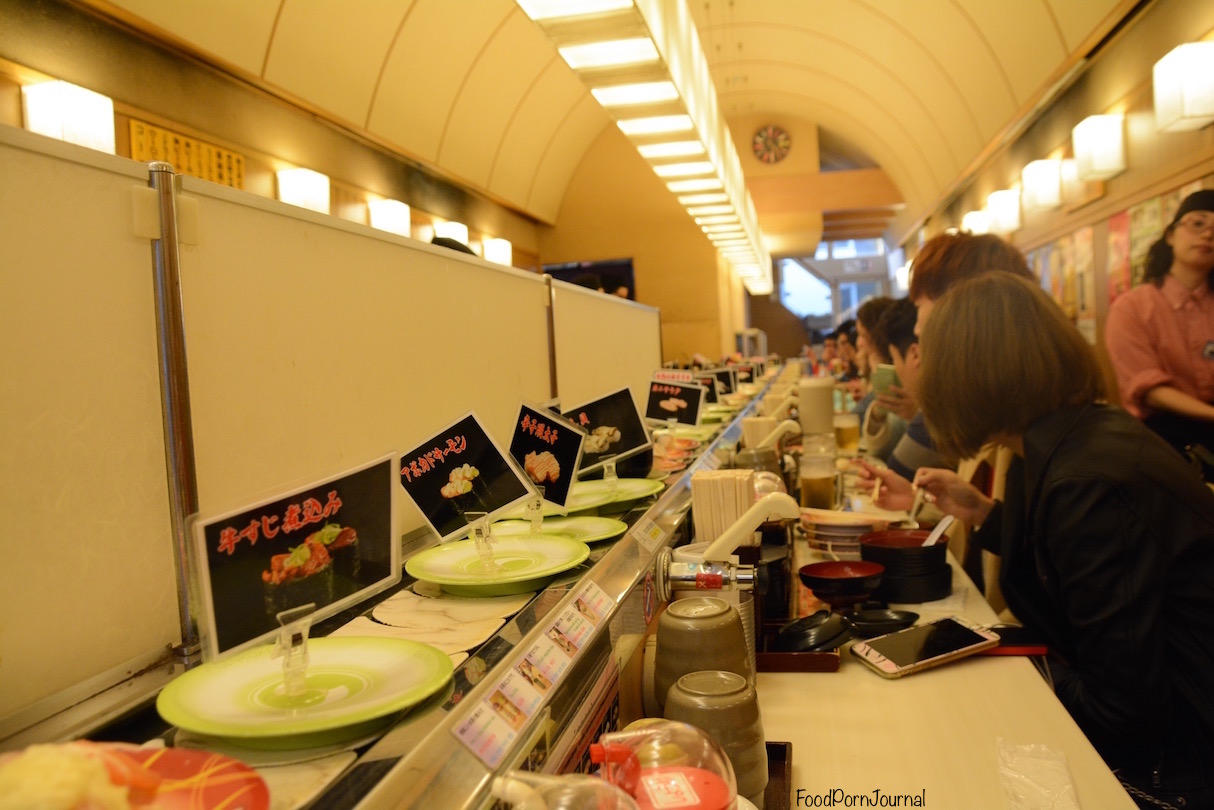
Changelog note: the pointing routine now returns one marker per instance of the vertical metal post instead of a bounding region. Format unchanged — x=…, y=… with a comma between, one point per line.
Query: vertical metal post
x=175, y=398
x=552, y=381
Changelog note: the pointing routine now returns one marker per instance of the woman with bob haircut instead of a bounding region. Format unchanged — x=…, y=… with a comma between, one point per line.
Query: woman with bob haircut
x=1106, y=535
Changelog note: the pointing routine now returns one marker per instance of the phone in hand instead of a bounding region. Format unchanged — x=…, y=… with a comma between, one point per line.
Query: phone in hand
x=924, y=646
x=883, y=376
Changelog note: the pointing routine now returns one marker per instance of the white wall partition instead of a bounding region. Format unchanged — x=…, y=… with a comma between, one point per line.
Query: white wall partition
x=315, y=344
x=87, y=584
x=603, y=343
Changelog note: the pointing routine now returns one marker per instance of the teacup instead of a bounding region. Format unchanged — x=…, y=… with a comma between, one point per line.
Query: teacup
x=699, y=633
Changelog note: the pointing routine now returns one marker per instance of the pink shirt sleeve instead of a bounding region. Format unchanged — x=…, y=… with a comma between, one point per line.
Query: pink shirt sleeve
x=1132, y=337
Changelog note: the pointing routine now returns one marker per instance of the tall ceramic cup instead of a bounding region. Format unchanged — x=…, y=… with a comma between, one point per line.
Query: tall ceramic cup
x=725, y=706
x=703, y=632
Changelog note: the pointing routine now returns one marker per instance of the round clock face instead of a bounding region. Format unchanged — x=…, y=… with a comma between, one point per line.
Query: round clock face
x=771, y=144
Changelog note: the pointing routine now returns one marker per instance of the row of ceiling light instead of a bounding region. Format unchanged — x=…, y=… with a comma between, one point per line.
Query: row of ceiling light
x=642, y=61
x=1183, y=86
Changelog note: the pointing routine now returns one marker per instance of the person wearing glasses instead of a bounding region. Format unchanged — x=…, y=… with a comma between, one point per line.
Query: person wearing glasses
x=1160, y=335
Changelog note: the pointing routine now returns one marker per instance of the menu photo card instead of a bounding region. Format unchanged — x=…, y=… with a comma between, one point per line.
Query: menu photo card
x=459, y=470
x=711, y=388
x=615, y=429
x=549, y=448
x=727, y=376
x=681, y=402
x=332, y=543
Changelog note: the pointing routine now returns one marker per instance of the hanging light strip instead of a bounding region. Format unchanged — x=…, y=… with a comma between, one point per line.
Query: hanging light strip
x=632, y=54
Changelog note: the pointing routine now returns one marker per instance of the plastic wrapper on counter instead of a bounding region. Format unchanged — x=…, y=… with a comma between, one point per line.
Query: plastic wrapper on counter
x=1035, y=778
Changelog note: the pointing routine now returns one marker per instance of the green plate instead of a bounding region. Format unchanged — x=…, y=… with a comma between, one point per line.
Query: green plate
x=352, y=682
x=626, y=489
x=525, y=564
x=583, y=528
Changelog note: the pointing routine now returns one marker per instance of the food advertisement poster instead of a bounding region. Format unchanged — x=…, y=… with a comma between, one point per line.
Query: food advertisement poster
x=710, y=388
x=331, y=543
x=615, y=429
x=1145, y=228
x=680, y=402
x=461, y=470
x=549, y=450
x=1119, y=255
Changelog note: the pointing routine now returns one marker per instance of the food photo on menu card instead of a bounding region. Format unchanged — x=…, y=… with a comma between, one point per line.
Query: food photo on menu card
x=674, y=400
x=614, y=427
x=328, y=543
x=461, y=470
x=549, y=449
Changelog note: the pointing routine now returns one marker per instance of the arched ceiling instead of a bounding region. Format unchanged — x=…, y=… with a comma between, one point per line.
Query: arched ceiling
x=920, y=89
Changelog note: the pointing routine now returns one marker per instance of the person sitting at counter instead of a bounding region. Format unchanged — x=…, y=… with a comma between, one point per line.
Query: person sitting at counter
x=1106, y=535
x=867, y=356
x=884, y=423
x=1160, y=335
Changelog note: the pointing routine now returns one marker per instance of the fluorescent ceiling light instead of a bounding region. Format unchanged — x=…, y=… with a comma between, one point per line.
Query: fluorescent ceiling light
x=683, y=169
x=699, y=184
x=976, y=222
x=655, y=125
x=611, y=53
x=70, y=113
x=671, y=149
x=1184, y=87
x=1099, y=145
x=553, y=9
x=709, y=210
x=646, y=93
x=703, y=199
x=499, y=251
x=722, y=228
x=719, y=219
x=452, y=230
x=732, y=241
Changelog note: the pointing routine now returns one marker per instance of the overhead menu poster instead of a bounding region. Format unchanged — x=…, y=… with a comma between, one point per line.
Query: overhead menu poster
x=461, y=470
x=331, y=543
x=548, y=448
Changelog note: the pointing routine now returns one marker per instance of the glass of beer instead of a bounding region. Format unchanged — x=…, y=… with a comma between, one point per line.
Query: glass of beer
x=821, y=482
x=847, y=432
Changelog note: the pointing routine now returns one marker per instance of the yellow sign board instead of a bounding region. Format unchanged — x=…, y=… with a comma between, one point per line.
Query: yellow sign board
x=188, y=155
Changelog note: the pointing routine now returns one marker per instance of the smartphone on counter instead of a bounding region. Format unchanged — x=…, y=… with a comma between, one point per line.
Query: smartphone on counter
x=883, y=376
x=924, y=646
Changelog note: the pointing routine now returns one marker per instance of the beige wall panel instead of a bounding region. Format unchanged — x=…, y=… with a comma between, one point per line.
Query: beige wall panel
x=235, y=31
x=87, y=583
x=635, y=217
x=603, y=343
x=331, y=53
x=316, y=345
x=533, y=129
x=562, y=155
x=491, y=98
x=681, y=340
x=437, y=45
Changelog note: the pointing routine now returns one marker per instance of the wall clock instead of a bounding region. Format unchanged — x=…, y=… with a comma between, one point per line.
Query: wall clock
x=771, y=143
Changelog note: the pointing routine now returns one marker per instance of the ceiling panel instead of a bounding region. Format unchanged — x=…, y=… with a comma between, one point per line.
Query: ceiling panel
x=919, y=88
x=331, y=55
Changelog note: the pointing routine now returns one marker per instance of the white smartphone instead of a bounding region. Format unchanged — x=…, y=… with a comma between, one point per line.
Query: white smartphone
x=883, y=376
x=924, y=646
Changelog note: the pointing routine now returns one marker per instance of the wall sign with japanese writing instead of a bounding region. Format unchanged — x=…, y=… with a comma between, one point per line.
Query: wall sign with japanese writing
x=460, y=470
x=615, y=427
x=678, y=401
x=332, y=543
x=549, y=448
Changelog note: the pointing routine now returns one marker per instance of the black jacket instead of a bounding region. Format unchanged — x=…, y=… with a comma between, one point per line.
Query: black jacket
x=1107, y=545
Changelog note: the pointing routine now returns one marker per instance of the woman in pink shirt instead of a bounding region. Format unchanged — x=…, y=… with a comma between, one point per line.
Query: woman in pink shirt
x=1160, y=335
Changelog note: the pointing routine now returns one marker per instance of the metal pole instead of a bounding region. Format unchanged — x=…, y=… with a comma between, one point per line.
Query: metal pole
x=552, y=379
x=175, y=399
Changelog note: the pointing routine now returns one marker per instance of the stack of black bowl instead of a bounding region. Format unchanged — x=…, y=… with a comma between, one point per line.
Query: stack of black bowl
x=913, y=572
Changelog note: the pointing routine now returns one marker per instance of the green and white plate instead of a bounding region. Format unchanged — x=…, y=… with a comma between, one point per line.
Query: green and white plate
x=583, y=528
x=352, y=683
x=626, y=489
x=523, y=564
